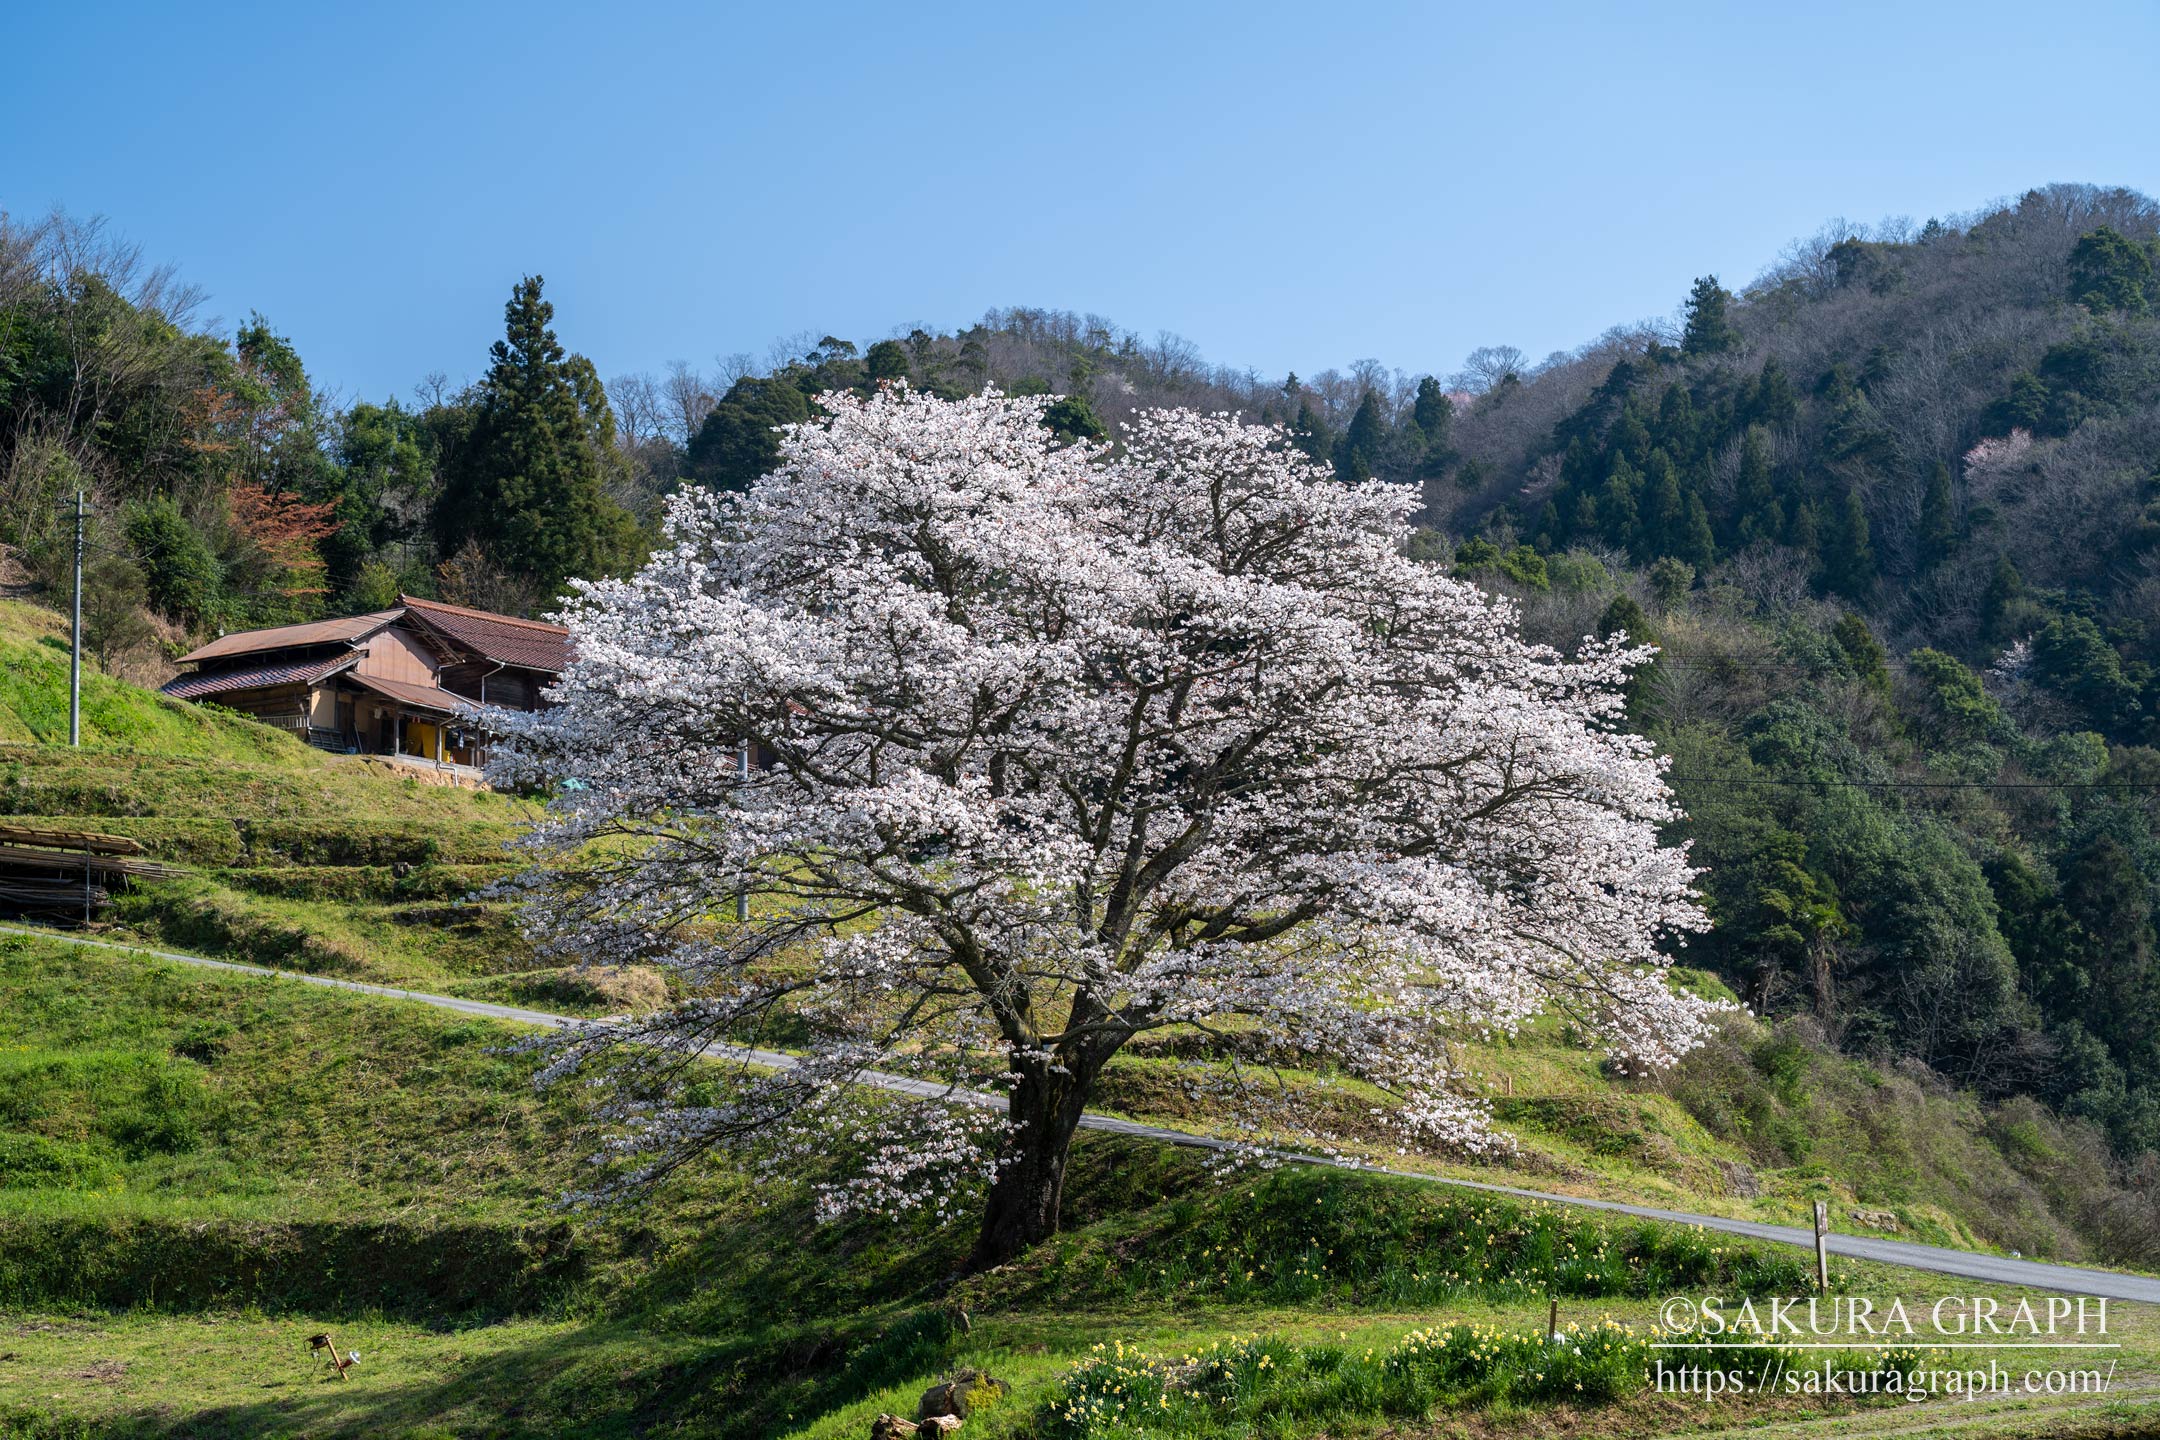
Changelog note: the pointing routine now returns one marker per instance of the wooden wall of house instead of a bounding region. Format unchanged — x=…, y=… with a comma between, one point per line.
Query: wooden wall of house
x=513, y=688
x=462, y=677
x=396, y=654
x=516, y=689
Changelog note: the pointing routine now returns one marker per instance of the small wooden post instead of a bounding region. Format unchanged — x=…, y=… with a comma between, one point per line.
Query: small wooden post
x=1507, y=1082
x=1552, y=1322
x=1822, y=1245
x=319, y=1343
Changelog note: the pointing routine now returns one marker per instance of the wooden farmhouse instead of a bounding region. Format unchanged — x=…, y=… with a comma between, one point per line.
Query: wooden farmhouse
x=407, y=682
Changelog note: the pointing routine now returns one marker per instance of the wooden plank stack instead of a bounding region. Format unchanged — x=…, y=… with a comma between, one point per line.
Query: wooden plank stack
x=58, y=871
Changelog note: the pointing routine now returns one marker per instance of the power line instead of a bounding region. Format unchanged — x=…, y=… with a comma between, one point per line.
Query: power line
x=1740, y=780
x=1732, y=662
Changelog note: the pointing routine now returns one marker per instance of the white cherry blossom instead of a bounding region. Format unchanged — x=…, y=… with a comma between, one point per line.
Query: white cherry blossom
x=1059, y=746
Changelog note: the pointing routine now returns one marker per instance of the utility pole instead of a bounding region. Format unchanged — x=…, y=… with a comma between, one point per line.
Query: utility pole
x=742, y=778
x=75, y=641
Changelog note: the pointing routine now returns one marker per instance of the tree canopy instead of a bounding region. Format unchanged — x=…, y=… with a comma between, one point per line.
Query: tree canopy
x=526, y=483
x=1058, y=747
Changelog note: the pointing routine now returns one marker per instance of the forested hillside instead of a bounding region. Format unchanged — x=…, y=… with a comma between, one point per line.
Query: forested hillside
x=1888, y=511
x=1891, y=510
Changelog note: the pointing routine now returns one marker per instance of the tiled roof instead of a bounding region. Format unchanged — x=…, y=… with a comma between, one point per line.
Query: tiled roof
x=419, y=697
x=293, y=637
x=256, y=677
x=528, y=644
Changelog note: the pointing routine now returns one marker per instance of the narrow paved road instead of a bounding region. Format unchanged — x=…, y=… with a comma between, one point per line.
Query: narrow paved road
x=1996, y=1269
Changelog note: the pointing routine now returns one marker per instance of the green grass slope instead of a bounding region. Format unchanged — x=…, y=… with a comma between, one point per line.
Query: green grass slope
x=201, y=1170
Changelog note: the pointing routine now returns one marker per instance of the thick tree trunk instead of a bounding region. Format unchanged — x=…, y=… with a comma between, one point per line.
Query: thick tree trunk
x=1022, y=1209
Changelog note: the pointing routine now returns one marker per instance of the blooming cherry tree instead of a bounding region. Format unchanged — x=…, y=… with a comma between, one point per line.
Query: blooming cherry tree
x=1056, y=746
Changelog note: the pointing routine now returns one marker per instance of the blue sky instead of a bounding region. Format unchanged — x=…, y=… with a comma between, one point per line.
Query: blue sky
x=1286, y=186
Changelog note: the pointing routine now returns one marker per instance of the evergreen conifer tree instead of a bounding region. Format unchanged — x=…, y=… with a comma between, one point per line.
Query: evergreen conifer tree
x=1664, y=513
x=2104, y=894
x=1630, y=437
x=1434, y=415
x=1863, y=652
x=740, y=439
x=1695, y=543
x=1677, y=424
x=1549, y=531
x=1773, y=402
x=1938, y=521
x=1849, y=558
x=1625, y=616
x=1617, y=506
x=527, y=486
x=1359, y=452
x=1754, y=498
x=1802, y=532
x=1670, y=581
x=1710, y=330
x=2005, y=588
x=1309, y=432
x=1432, y=410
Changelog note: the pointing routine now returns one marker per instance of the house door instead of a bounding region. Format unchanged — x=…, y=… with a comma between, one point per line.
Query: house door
x=385, y=733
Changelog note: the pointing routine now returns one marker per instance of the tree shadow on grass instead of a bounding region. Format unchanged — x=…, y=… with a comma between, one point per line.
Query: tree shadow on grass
x=601, y=1382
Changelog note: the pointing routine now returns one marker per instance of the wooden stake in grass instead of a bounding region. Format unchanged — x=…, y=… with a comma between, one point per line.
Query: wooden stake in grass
x=339, y=1363
x=1822, y=1245
x=1552, y=1322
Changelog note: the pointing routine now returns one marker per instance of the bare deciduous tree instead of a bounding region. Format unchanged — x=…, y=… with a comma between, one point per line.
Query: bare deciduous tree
x=1487, y=366
x=687, y=398
x=640, y=409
